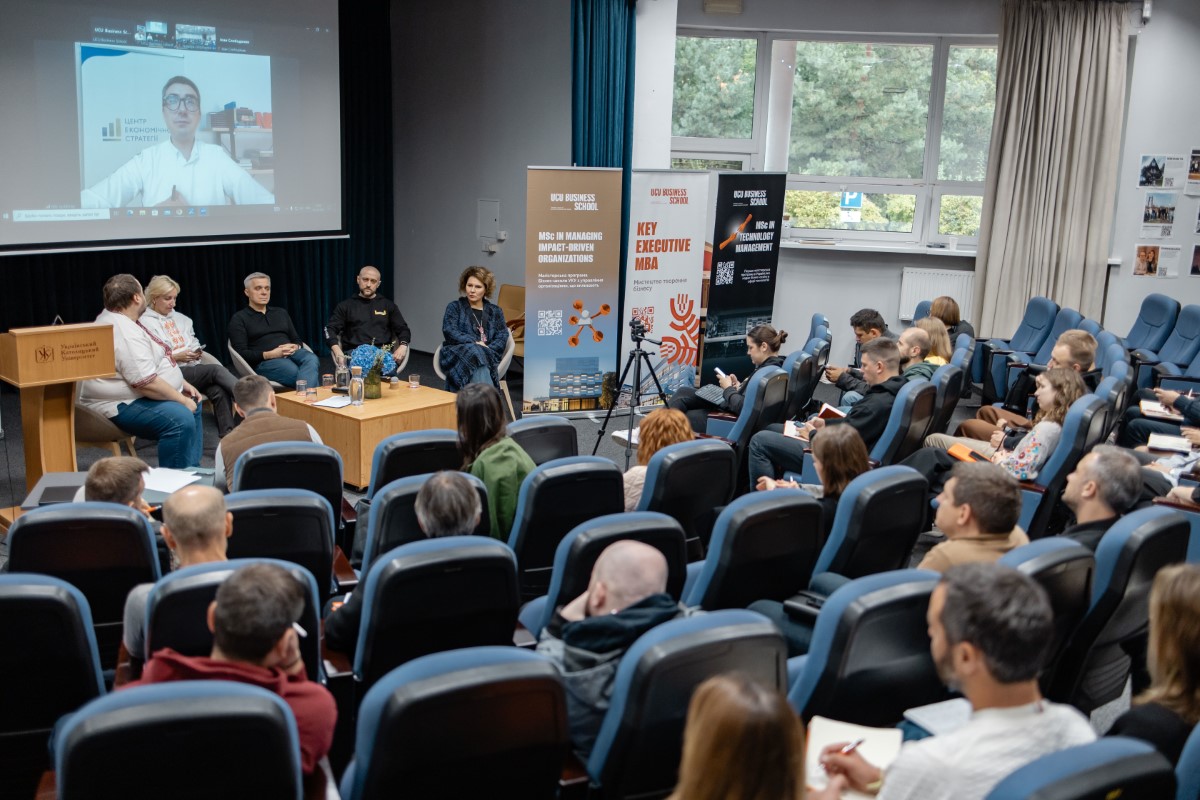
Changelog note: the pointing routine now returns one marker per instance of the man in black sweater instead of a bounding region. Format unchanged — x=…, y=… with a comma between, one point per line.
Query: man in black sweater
x=1104, y=485
x=367, y=318
x=772, y=453
x=266, y=338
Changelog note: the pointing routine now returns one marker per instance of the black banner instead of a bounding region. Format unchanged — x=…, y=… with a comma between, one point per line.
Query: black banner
x=740, y=282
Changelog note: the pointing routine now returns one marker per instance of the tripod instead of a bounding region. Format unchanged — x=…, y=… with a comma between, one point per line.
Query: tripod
x=636, y=357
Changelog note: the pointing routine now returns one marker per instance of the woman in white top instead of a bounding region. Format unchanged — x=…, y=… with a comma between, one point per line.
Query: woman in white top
x=662, y=427
x=178, y=334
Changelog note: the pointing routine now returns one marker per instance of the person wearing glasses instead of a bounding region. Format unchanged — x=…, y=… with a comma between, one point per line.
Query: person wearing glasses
x=180, y=171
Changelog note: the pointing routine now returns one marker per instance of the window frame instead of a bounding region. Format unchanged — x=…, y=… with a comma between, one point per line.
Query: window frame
x=767, y=150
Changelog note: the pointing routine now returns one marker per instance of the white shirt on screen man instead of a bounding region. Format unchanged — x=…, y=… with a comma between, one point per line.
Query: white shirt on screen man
x=180, y=171
x=208, y=178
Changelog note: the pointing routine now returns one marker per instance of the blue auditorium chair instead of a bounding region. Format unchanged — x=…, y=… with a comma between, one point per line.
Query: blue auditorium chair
x=947, y=382
x=1154, y=322
x=294, y=525
x=922, y=310
x=291, y=465
x=1082, y=428
x=392, y=520
x=764, y=404
x=1007, y=363
x=1105, y=769
x=1035, y=325
x=1178, y=351
x=413, y=453
x=803, y=377
x=554, y=498
x=1187, y=771
x=474, y=722
x=545, y=437
x=688, y=481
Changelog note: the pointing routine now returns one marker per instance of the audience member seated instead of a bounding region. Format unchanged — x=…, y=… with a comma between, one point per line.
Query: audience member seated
x=941, y=349
x=772, y=453
x=838, y=457
x=116, y=479
x=148, y=396
x=490, y=454
x=1136, y=429
x=741, y=741
x=196, y=527
x=762, y=346
x=660, y=428
x=1162, y=471
x=474, y=335
x=915, y=365
x=1075, y=350
x=1104, y=485
x=266, y=338
x=447, y=505
x=255, y=641
x=1166, y=713
x=626, y=596
x=1020, y=453
x=366, y=318
x=868, y=325
x=990, y=631
x=945, y=308
x=978, y=511
x=163, y=321
x=254, y=401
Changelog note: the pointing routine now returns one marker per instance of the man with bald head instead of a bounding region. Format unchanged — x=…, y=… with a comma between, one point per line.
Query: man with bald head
x=196, y=527
x=367, y=318
x=586, y=638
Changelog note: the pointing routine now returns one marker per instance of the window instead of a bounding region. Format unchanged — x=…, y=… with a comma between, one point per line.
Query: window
x=904, y=124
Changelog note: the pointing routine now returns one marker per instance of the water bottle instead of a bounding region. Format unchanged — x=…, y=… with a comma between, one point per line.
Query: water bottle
x=357, y=387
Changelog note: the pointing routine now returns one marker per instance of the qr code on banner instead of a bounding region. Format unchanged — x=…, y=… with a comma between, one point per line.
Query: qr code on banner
x=724, y=274
x=646, y=315
x=550, y=323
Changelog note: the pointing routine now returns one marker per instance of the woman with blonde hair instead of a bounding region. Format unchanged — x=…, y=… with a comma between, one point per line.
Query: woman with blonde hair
x=742, y=742
x=474, y=335
x=175, y=332
x=661, y=427
x=940, y=347
x=946, y=309
x=1166, y=713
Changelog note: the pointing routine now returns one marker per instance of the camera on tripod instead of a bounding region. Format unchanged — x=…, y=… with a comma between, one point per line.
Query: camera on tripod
x=637, y=330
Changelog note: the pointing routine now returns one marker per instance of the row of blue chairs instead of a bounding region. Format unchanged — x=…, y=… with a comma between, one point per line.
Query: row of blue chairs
x=843, y=676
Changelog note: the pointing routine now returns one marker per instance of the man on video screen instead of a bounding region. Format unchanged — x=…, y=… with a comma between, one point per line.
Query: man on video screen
x=180, y=171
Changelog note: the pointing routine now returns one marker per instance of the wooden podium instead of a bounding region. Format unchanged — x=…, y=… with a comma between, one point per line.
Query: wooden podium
x=44, y=364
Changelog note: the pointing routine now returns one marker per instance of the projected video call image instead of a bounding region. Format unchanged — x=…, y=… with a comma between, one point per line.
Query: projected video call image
x=174, y=127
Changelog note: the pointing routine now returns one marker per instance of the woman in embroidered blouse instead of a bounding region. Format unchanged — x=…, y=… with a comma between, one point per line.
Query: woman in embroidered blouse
x=474, y=334
x=176, y=332
x=1022, y=453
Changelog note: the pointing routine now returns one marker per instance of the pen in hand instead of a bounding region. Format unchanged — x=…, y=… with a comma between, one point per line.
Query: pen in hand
x=850, y=748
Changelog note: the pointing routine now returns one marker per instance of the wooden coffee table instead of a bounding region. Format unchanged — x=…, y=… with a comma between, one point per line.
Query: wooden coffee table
x=354, y=431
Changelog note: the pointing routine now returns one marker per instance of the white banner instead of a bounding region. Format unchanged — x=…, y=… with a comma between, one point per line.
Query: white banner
x=667, y=221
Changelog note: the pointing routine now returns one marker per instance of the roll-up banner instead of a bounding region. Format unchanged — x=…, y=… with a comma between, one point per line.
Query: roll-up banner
x=668, y=220
x=572, y=258
x=740, y=263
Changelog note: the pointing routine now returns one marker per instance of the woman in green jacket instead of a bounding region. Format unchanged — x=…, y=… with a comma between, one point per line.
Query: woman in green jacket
x=489, y=454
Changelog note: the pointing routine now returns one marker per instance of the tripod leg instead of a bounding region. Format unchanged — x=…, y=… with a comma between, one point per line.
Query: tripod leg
x=620, y=382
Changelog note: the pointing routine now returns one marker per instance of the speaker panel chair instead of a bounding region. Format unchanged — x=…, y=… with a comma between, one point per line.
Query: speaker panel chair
x=501, y=370
x=242, y=368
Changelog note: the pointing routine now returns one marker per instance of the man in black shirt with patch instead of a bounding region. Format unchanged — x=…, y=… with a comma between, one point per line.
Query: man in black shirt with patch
x=367, y=318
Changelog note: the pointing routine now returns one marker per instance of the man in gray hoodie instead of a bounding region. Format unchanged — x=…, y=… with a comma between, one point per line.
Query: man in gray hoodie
x=586, y=638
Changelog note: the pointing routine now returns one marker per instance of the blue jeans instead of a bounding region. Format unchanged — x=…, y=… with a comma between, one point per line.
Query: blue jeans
x=482, y=375
x=299, y=366
x=180, y=433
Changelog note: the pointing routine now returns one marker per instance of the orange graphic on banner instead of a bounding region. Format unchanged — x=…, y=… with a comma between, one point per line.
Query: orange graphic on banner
x=734, y=235
x=682, y=349
x=585, y=321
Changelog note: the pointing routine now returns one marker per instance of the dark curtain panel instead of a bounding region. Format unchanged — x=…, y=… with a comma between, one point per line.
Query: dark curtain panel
x=602, y=67
x=308, y=277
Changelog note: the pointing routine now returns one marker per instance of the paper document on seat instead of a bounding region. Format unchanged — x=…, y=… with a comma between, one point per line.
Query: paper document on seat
x=167, y=481
x=880, y=747
x=941, y=718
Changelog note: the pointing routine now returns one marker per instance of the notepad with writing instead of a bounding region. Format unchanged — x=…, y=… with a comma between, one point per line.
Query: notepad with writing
x=795, y=430
x=880, y=746
x=1163, y=441
x=1156, y=410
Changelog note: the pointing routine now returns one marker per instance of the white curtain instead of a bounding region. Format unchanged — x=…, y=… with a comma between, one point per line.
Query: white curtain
x=1052, y=167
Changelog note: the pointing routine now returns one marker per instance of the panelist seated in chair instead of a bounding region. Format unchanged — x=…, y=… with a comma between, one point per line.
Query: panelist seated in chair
x=762, y=346
x=196, y=527
x=990, y=631
x=772, y=453
x=367, y=318
x=149, y=395
x=447, y=505
x=176, y=329
x=474, y=334
x=254, y=401
x=586, y=638
x=256, y=641
x=265, y=337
